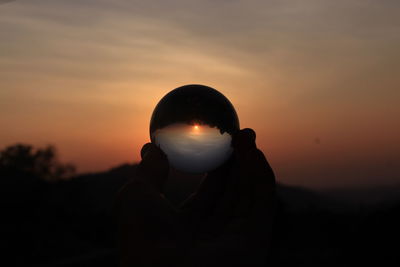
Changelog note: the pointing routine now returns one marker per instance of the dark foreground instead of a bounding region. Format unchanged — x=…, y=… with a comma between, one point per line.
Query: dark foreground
x=70, y=223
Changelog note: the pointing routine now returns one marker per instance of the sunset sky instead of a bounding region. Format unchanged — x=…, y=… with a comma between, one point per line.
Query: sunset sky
x=318, y=80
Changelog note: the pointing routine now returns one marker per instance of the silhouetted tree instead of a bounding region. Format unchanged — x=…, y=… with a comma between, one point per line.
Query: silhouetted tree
x=26, y=198
x=41, y=163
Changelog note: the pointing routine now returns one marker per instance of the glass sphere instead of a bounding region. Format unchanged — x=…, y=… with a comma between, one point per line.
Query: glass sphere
x=193, y=125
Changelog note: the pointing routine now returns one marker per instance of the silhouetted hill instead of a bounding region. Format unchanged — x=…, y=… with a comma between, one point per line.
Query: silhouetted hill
x=72, y=224
x=367, y=195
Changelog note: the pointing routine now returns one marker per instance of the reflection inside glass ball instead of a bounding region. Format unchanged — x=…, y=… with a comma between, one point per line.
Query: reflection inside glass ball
x=194, y=148
x=193, y=125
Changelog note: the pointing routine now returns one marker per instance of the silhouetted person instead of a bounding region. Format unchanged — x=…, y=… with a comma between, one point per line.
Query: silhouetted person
x=227, y=221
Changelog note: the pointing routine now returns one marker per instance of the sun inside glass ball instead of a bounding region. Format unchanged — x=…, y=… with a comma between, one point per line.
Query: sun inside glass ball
x=193, y=125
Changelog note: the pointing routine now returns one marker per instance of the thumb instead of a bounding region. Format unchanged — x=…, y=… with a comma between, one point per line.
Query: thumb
x=255, y=177
x=251, y=161
x=244, y=140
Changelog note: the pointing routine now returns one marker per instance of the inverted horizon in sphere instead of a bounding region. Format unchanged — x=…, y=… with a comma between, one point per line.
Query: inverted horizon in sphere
x=194, y=148
x=193, y=125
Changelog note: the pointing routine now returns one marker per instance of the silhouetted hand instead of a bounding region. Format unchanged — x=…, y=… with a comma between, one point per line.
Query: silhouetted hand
x=228, y=220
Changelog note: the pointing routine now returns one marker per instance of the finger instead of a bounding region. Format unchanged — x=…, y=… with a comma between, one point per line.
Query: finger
x=250, y=160
x=223, y=183
x=145, y=149
x=244, y=140
x=154, y=166
x=253, y=189
x=254, y=175
x=151, y=151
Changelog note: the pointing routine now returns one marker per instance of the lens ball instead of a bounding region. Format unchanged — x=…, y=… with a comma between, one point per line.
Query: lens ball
x=193, y=125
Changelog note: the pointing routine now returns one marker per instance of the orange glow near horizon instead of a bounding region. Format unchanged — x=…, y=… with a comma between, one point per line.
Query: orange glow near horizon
x=322, y=119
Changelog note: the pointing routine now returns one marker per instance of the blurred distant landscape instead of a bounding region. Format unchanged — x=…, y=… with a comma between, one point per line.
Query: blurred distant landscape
x=54, y=217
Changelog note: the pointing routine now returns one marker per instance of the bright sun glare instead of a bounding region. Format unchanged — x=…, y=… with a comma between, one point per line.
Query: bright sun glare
x=196, y=127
